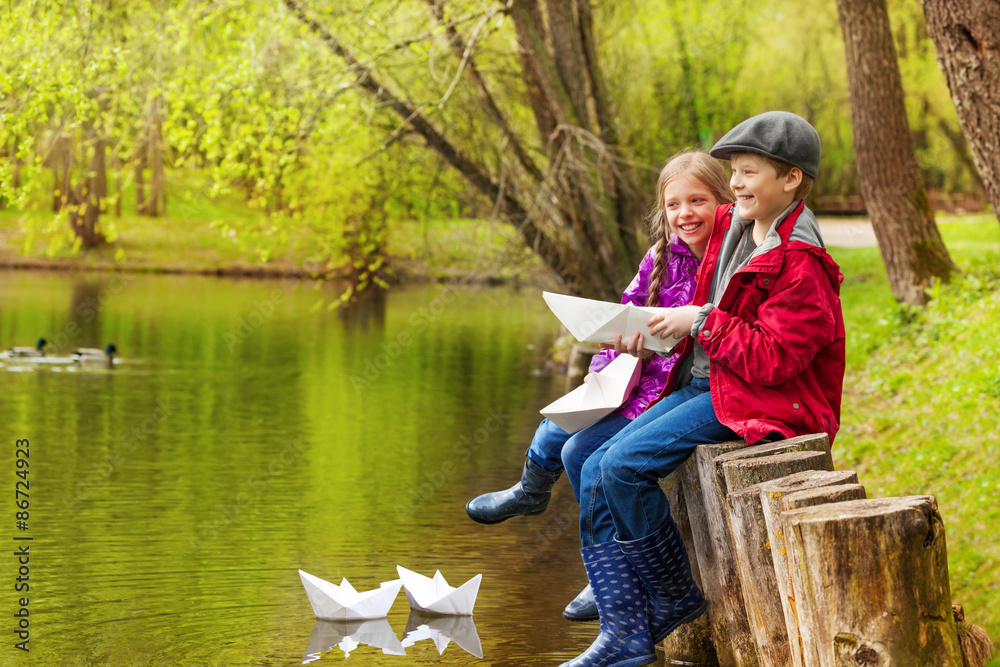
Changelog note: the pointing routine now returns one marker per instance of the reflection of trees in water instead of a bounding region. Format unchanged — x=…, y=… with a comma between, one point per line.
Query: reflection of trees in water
x=365, y=311
x=85, y=311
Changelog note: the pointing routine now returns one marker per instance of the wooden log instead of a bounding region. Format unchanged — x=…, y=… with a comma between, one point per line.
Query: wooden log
x=875, y=574
x=691, y=643
x=770, y=493
x=803, y=612
x=705, y=494
x=705, y=516
x=753, y=549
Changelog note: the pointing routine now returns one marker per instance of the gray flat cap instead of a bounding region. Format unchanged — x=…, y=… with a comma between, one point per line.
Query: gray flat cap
x=777, y=134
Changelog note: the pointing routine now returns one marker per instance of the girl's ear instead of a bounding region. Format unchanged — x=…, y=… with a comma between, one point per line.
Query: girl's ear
x=792, y=180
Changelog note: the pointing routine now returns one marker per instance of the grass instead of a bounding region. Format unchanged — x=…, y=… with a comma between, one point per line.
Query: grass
x=921, y=399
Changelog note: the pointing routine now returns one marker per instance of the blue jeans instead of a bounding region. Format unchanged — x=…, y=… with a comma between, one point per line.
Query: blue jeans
x=555, y=449
x=620, y=481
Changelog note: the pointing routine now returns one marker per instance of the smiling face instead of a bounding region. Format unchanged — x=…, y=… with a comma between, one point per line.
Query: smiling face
x=760, y=193
x=689, y=206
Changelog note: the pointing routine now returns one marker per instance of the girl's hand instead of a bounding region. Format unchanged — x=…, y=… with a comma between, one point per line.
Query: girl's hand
x=676, y=322
x=586, y=378
x=633, y=346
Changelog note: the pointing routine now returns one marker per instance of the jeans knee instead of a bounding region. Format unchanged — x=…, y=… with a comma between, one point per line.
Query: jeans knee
x=617, y=470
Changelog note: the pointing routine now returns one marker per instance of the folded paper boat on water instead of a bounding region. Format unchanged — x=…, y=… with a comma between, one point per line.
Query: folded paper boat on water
x=349, y=635
x=597, y=398
x=441, y=630
x=433, y=595
x=343, y=603
x=593, y=321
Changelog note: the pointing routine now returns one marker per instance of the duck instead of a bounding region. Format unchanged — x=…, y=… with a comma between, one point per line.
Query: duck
x=91, y=355
x=37, y=351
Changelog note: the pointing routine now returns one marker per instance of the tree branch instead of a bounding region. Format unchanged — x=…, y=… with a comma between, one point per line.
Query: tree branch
x=464, y=51
x=512, y=209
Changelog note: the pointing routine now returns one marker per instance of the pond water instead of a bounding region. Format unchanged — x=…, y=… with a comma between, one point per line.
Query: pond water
x=249, y=432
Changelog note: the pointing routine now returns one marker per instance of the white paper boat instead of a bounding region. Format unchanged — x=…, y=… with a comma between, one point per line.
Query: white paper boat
x=348, y=635
x=342, y=603
x=602, y=395
x=441, y=630
x=435, y=596
x=593, y=321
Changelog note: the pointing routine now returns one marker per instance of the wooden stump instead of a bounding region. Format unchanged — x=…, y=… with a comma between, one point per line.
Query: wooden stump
x=714, y=489
x=771, y=495
x=707, y=518
x=752, y=545
x=690, y=643
x=803, y=612
x=875, y=576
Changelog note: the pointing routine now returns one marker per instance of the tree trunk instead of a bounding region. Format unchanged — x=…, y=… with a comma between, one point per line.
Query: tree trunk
x=803, y=624
x=85, y=200
x=891, y=184
x=706, y=516
x=876, y=575
x=690, y=643
x=967, y=36
x=753, y=546
x=140, y=185
x=156, y=204
x=60, y=159
x=771, y=494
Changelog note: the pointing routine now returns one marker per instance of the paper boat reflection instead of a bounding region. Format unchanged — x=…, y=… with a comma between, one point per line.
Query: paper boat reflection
x=435, y=596
x=441, y=630
x=348, y=635
x=342, y=603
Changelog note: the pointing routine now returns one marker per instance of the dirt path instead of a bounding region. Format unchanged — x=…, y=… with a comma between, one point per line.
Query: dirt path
x=847, y=232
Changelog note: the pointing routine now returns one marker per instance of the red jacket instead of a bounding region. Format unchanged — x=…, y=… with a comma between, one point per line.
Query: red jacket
x=776, y=338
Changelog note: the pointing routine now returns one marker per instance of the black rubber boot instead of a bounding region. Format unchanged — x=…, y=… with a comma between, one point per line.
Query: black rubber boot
x=583, y=607
x=528, y=497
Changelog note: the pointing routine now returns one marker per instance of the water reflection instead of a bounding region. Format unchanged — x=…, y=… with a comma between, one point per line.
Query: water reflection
x=349, y=635
x=247, y=435
x=441, y=630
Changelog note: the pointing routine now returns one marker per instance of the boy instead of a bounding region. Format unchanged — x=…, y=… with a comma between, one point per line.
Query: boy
x=767, y=337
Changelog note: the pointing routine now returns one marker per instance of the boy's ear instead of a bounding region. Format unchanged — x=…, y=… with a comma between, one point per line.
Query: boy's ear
x=792, y=180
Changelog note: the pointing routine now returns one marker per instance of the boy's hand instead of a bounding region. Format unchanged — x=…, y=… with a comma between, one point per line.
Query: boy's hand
x=677, y=322
x=633, y=347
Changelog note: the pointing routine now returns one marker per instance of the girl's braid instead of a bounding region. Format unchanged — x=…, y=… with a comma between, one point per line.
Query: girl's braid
x=657, y=275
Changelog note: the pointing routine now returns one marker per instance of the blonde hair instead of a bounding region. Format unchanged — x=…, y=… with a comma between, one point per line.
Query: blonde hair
x=698, y=165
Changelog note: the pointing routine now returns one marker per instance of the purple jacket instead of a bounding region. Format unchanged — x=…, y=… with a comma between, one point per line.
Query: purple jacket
x=676, y=289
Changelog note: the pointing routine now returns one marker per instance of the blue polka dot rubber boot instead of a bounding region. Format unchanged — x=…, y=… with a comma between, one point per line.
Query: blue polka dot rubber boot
x=661, y=561
x=624, y=639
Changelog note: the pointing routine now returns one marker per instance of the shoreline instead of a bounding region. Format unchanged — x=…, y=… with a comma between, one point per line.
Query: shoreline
x=402, y=270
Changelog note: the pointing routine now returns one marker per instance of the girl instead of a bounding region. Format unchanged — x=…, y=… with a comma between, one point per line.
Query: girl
x=690, y=187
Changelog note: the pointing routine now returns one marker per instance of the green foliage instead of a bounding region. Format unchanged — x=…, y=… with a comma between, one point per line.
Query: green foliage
x=251, y=98
x=921, y=396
